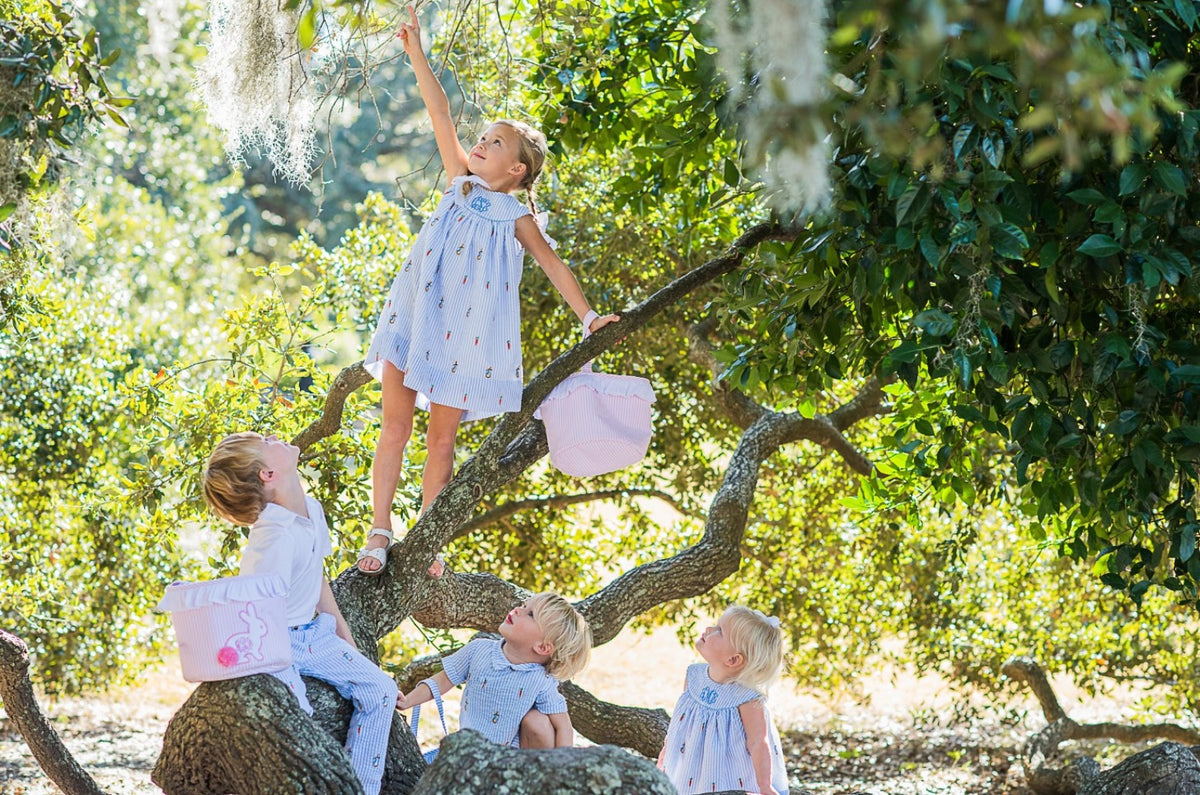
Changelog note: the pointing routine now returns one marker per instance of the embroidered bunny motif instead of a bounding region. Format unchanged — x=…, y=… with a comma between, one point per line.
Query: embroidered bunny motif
x=244, y=646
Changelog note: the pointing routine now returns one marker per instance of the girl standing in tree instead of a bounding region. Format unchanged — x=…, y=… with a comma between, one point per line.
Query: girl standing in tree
x=449, y=336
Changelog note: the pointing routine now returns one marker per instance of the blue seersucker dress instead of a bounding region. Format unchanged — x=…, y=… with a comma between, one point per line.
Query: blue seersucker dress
x=451, y=322
x=705, y=749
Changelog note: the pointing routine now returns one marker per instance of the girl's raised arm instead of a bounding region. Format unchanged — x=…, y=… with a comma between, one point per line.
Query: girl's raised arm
x=454, y=157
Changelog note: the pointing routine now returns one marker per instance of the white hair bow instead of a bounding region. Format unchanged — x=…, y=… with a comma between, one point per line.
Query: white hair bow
x=772, y=621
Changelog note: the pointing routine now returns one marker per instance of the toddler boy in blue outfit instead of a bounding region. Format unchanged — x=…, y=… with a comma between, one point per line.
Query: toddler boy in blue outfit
x=511, y=685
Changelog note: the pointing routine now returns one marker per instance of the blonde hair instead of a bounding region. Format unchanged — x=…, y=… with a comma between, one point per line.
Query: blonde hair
x=760, y=642
x=532, y=152
x=567, y=630
x=232, y=486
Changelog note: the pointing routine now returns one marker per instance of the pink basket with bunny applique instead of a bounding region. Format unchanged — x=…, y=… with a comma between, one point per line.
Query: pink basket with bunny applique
x=597, y=422
x=230, y=627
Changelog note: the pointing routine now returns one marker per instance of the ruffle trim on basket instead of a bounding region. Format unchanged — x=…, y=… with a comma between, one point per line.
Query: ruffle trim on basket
x=245, y=588
x=603, y=384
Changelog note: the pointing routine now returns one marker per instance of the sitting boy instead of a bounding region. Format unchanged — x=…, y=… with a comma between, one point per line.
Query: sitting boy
x=511, y=694
x=253, y=480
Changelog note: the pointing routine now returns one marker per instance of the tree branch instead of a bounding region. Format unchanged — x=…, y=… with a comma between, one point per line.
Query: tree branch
x=16, y=691
x=1043, y=745
x=736, y=404
x=825, y=430
x=330, y=421
x=638, y=728
x=404, y=584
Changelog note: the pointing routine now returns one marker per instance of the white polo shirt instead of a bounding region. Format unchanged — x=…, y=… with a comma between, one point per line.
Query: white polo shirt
x=294, y=547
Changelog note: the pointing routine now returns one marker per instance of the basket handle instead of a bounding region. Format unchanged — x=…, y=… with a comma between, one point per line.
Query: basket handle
x=437, y=699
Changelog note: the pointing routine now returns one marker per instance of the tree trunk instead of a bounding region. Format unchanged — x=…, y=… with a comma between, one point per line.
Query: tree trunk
x=16, y=691
x=1167, y=769
x=467, y=763
x=249, y=735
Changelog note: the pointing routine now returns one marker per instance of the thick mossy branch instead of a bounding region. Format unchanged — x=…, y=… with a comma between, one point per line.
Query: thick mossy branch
x=16, y=691
x=249, y=735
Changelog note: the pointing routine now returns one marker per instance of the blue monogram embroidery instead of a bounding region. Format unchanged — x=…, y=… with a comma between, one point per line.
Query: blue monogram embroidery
x=481, y=204
x=708, y=696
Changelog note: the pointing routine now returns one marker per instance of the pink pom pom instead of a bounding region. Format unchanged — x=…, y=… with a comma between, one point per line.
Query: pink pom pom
x=227, y=656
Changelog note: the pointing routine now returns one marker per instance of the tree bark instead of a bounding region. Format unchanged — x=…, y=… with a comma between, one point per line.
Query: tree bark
x=1167, y=769
x=16, y=691
x=250, y=736
x=468, y=763
x=1082, y=772
x=638, y=728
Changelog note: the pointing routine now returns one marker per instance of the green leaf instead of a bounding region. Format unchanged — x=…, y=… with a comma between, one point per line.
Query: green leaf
x=935, y=322
x=1187, y=543
x=732, y=175
x=1009, y=241
x=930, y=250
x=1087, y=196
x=1170, y=178
x=993, y=149
x=1188, y=372
x=1099, y=245
x=306, y=33
x=1132, y=177
x=910, y=204
x=962, y=137
x=7, y=210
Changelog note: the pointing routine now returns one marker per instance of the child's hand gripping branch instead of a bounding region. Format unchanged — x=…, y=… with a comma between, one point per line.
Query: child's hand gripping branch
x=449, y=335
x=510, y=692
x=721, y=735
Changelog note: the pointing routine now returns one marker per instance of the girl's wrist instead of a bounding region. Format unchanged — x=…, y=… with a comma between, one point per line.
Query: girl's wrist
x=588, y=319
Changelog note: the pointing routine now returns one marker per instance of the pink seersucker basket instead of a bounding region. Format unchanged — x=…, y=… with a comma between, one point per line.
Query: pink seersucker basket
x=229, y=627
x=597, y=422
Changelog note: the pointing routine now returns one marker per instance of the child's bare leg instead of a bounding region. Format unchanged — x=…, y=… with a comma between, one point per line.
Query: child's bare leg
x=439, y=442
x=394, y=433
x=536, y=730
x=439, y=461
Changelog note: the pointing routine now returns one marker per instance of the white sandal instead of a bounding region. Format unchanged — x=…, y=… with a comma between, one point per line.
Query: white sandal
x=378, y=554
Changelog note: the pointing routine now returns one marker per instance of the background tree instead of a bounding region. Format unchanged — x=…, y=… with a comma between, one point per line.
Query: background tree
x=1022, y=274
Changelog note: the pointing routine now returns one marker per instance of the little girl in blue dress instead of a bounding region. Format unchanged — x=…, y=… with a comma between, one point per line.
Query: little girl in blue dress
x=449, y=336
x=721, y=735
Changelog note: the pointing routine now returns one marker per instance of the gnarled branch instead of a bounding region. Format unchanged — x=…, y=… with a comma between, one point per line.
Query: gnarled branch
x=1043, y=745
x=16, y=691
